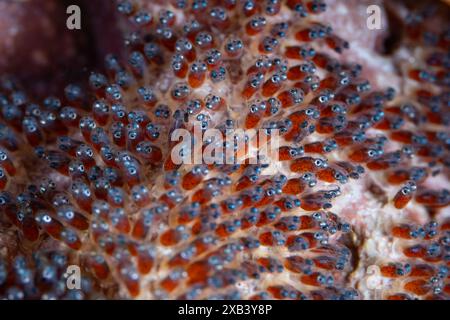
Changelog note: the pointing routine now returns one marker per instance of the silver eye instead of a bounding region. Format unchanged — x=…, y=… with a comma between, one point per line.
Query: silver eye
x=70, y=215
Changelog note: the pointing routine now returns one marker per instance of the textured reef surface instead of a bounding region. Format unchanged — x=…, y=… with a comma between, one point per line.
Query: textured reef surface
x=357, y=207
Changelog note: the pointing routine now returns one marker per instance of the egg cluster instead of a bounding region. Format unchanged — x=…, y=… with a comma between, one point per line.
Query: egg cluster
x=98, y=187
